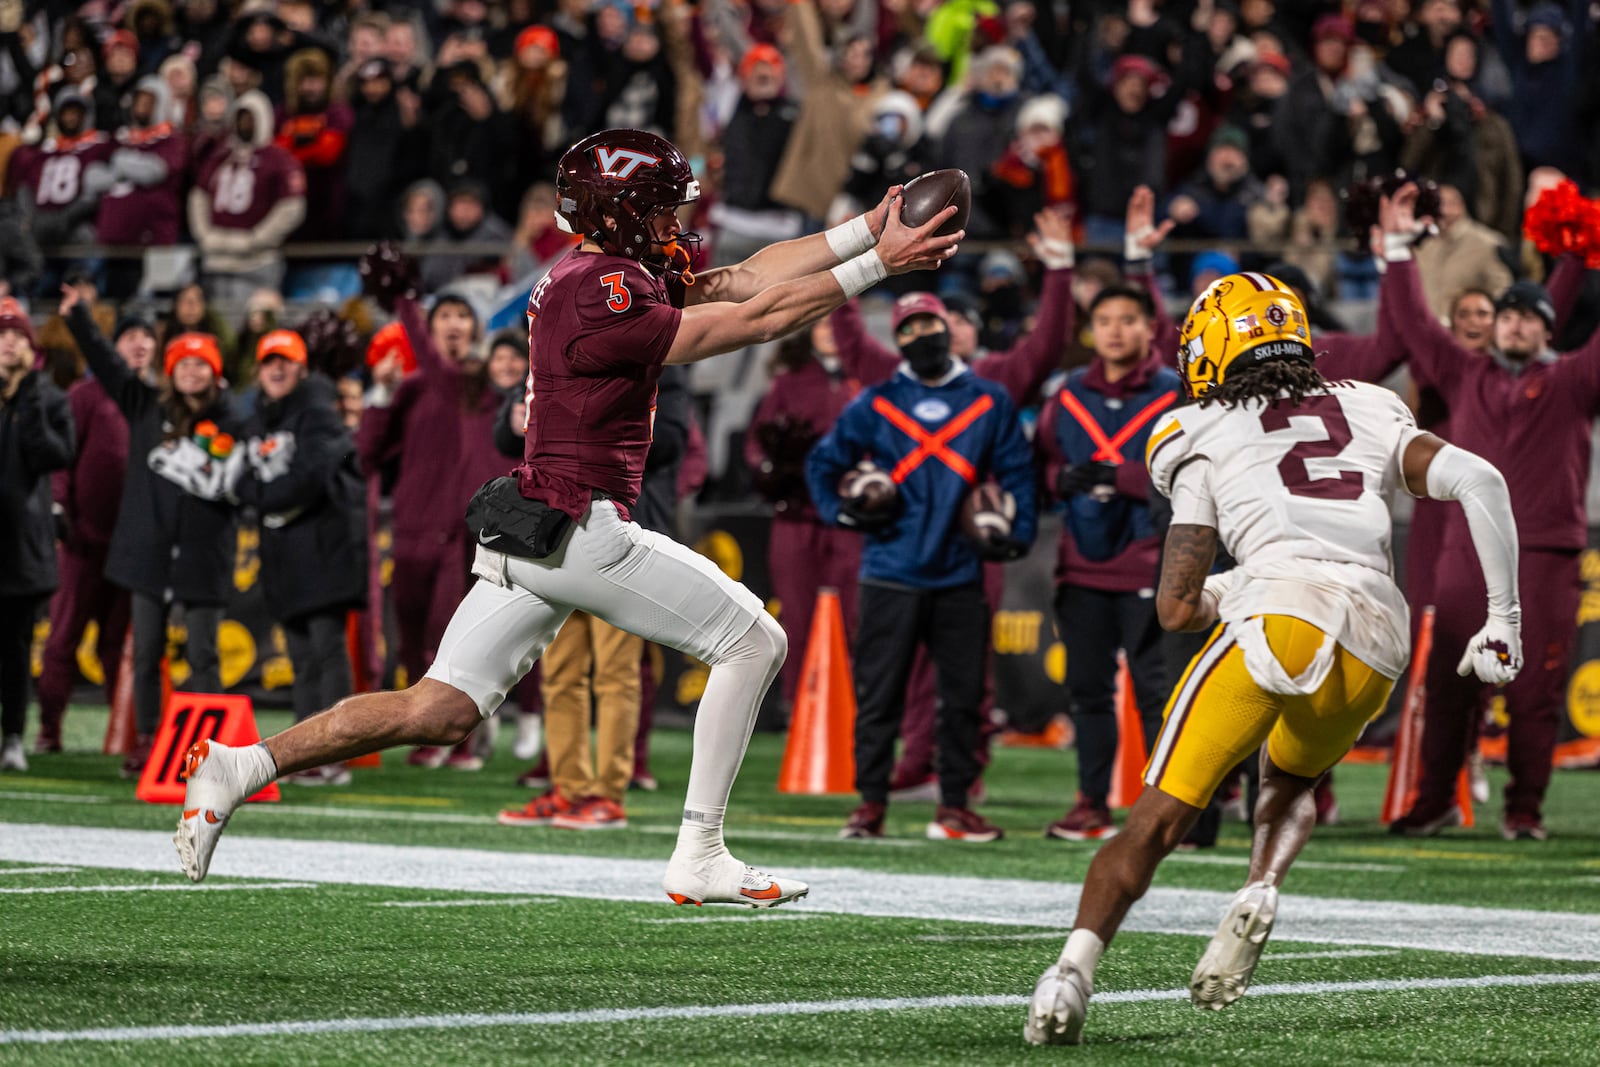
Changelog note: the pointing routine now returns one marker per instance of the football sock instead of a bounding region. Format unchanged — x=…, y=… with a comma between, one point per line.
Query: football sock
x=1082, y=951
x=256, y=767
x=722, y=727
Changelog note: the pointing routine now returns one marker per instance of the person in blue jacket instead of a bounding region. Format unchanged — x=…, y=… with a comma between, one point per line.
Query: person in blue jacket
x=938, y=430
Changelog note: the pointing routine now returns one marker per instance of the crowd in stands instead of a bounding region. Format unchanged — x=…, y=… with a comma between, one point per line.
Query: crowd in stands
x=183, y=179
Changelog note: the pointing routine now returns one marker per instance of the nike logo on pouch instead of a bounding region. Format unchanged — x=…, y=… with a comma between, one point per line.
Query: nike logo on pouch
x=485, y=537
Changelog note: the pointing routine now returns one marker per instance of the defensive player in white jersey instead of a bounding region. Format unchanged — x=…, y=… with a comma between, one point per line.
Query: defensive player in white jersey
x=1294, y=475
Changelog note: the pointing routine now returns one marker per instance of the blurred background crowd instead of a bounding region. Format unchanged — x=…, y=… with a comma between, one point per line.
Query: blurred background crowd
x=184, y=178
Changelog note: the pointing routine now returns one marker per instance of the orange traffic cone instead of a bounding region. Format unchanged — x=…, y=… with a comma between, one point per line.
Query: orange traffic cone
x=1127, y=773
x=1401, y=791
x=120, y=726
x=820, y=755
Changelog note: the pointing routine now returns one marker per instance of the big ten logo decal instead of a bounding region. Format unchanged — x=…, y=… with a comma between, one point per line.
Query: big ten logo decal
x=1583, y=698
x=191, y=718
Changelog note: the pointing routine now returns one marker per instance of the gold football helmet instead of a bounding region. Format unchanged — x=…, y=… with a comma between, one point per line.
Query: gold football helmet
x=1240, y=321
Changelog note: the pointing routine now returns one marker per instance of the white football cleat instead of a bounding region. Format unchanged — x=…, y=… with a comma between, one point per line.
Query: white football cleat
x=215, y=787
x=1225, y=967
x=530, y=736
x=721, y=879
x=1060, y=1002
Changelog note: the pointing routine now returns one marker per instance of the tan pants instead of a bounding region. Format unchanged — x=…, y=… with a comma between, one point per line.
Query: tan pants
x=591, y=657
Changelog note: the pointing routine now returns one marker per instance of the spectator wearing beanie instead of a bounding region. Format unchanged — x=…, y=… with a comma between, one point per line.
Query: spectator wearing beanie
x=88, y=493
x=315, y=130
x=532, y=89
x=173, y=543
x=468, y=222
x=301, y=478
x=36, y=437
x=893, y=153
x=119, y=70
x=1127, y=127
x=54, y=194
x=1544, y=54
x=1034, y=172
x=143, y=205
x=746, y=216
x=980, y=131
x=384, y=153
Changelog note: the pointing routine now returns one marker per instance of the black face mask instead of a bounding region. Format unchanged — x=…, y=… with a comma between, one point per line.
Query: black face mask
x=929, y=355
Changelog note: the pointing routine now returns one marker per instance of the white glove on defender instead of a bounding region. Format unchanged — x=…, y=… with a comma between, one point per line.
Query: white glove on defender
x=1495, y=652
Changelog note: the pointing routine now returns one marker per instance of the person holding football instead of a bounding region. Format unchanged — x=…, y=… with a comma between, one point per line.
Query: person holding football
x=1292, y=474
x=557, y=536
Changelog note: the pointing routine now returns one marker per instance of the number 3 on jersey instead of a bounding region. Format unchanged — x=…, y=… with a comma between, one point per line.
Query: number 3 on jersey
x=1297, y=478
x=618, y=299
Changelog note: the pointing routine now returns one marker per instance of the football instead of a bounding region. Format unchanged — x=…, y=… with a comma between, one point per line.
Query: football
x=930, y=194
x=987, y=513
x=871, y=490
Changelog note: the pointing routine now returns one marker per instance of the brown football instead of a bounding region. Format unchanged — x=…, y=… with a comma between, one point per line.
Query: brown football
x=872, y=488
x=930, y=194
x=988, y=511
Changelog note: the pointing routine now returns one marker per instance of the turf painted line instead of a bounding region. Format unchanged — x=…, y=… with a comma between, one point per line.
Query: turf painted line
x=768, y=918
x=7, y=871
x=1242, y=861
x=859, y=1005
x=158, y=887
x=1335, y=922
x=1334, y=954
x=51, y=798
x=491, y=902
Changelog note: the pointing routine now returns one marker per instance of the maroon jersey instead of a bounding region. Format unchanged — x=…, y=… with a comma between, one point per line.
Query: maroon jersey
x=54, y=168
x=146, y=215
x=243, y=187
x=602, y=326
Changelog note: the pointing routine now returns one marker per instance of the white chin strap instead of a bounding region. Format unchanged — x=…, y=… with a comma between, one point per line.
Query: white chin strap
x=562, y=224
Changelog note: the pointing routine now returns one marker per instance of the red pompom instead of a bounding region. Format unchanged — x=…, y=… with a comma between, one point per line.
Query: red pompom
x=1562, y=222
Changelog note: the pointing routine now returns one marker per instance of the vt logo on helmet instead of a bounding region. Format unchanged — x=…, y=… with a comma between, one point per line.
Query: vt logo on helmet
x=614, y=185
x=1239, y=322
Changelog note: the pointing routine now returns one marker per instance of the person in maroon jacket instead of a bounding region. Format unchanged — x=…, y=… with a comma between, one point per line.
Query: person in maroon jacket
x=1530, y=412
x=804, y=554
x=1021, y=369
x=439, y=425
x=142, y=205
x=88, y=493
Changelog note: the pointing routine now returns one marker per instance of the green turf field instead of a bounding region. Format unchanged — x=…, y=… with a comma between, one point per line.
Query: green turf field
x=394, y=922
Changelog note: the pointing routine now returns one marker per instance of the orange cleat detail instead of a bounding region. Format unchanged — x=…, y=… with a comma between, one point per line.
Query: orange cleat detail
x=772, y=892
x=680, y=899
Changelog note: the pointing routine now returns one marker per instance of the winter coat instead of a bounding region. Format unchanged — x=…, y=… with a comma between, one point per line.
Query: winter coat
x=36, y=437
x=167, y=543
x=88, y=489
x=311, y=508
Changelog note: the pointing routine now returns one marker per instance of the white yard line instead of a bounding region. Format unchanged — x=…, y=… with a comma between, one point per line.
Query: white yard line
x=1334, y=954
x=1043, y=935
x=156, y=887
x=51, y=798
x=750, y=834
x=609, y=1016
x=770, y=917
x=491, y=902
x=1040, y=905
x=8, y=871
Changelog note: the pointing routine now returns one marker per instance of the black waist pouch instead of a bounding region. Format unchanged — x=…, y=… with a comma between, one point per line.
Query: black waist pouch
x=501, y=518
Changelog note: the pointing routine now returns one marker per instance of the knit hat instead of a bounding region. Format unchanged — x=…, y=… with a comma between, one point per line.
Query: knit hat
x=1550, y=16
x=1336, y=26
x=284, y=344
x=1136, y=66
x=131, y=322
x=388, y=341
x=121, y=39
x=913, y=304
x=1529, y=296
x=1229, y=137
x=761, y=53
x=542, y=36
x=13, y=316
x=194, y=346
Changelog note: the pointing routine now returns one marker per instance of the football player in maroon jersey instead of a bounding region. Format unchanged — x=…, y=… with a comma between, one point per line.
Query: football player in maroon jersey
x=557, y=537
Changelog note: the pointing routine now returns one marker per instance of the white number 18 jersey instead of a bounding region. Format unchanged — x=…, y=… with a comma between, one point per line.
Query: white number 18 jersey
x=1299, y=496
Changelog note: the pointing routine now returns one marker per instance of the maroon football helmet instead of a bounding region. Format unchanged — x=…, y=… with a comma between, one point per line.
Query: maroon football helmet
x=629, y=176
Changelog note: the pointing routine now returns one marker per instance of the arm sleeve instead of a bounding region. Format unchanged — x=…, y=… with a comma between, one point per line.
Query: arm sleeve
x=1566, y=283
x=1456, y=474
x=378, y=436
x=839, y=450
x=1363, y=358
x=430, y=364
x=1024, y=366
x=1579, y=372
x=1192, y=503
x=1428, y=346
x=130, y=394
x=865, y=359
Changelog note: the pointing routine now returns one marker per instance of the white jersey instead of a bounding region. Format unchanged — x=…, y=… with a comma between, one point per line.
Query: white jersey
x=1300, y=498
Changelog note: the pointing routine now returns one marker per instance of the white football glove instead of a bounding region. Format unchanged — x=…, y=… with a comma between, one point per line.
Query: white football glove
x=185, y=464
x=1494, y=653
x=271, y=456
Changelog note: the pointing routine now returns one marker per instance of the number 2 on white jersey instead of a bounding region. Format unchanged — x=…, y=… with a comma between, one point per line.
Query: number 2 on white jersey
x=1292, y=468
